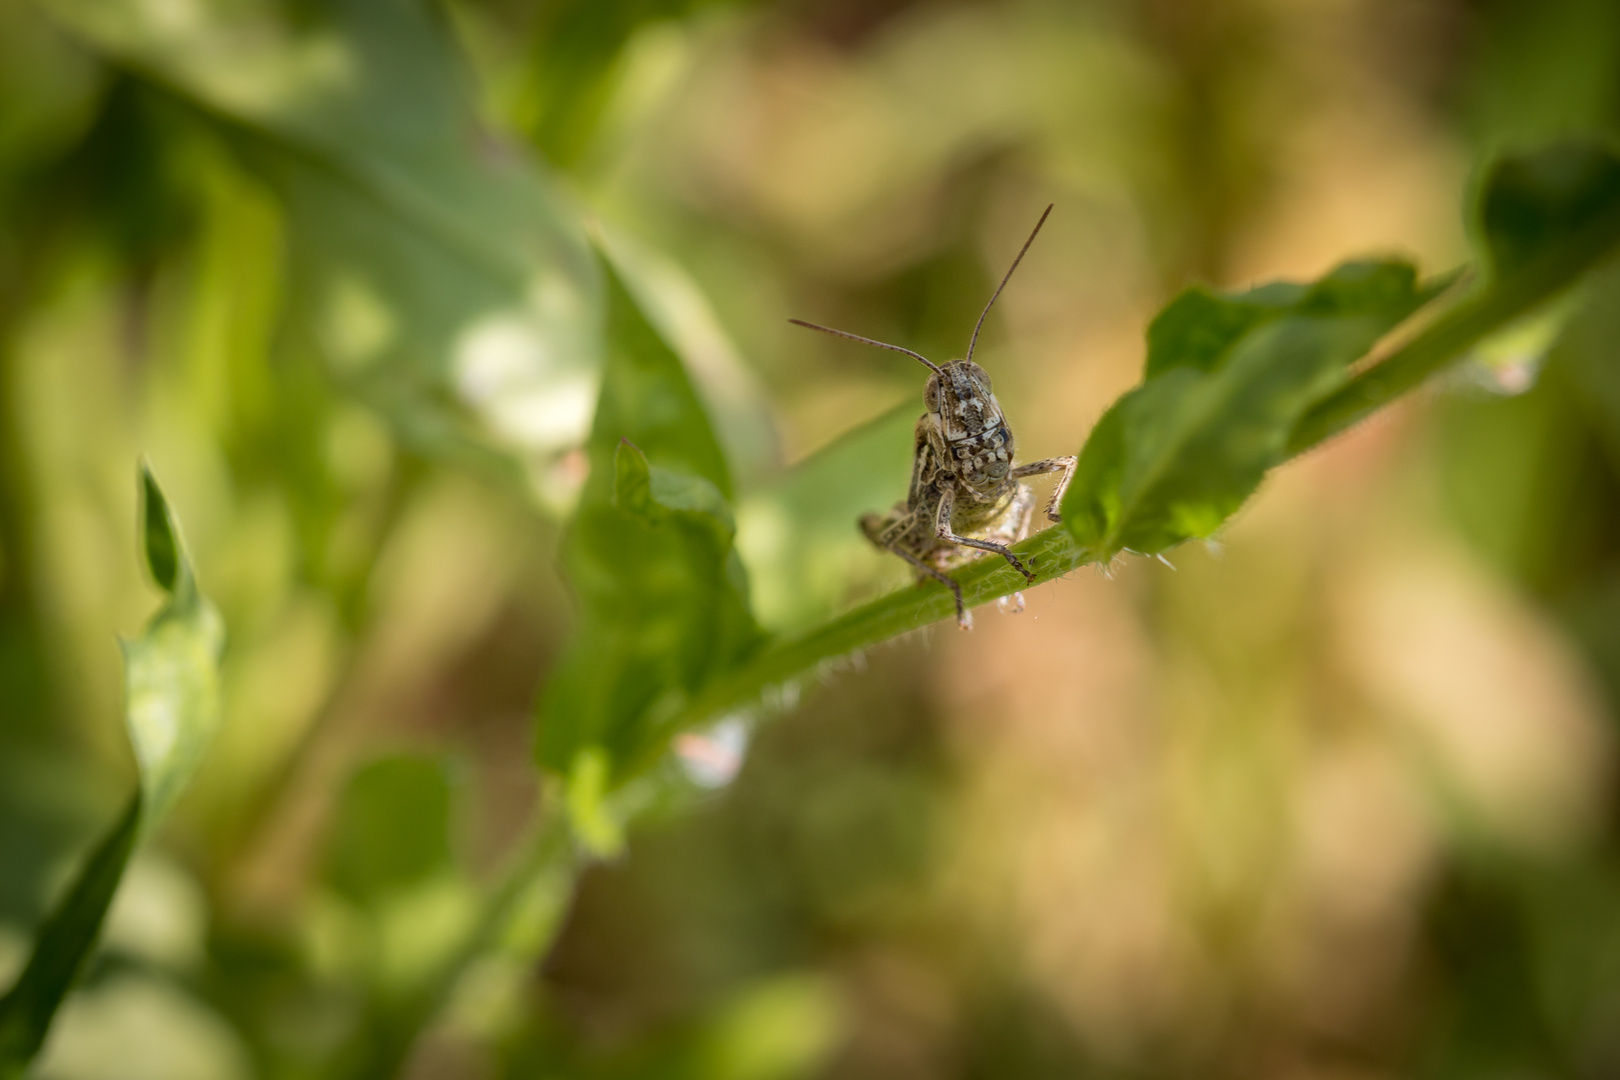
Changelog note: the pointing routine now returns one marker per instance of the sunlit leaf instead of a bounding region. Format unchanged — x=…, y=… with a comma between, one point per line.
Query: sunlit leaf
x=435, y=268
x=171, y=672
x=171, y=678
x=798, y=532
x=1227, y=379
x=650, y=556
x=675, y=306
x=571, y=71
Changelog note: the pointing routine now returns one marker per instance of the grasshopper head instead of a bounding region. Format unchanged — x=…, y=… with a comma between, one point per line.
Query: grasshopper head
x=967, y=428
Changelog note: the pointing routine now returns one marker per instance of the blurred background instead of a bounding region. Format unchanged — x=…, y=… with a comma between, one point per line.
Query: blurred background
x=1331, y=799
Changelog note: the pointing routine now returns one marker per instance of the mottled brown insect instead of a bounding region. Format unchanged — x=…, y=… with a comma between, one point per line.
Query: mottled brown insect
x=963, y=477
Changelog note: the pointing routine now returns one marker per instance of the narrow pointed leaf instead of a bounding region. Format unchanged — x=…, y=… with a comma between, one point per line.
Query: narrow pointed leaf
x=172, y=706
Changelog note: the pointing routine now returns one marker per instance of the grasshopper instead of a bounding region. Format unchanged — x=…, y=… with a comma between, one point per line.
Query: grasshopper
x=963, y=477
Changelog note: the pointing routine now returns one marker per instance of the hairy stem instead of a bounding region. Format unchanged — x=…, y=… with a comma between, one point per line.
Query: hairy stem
x=1050, y=554
x=1054, y=553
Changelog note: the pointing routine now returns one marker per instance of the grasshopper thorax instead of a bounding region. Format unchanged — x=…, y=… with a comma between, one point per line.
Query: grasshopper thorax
x=966, y=428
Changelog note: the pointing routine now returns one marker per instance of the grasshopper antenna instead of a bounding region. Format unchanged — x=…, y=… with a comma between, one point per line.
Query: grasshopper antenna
x=869, y=341
x=977, y=326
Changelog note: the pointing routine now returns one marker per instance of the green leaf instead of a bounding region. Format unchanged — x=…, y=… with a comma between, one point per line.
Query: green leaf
x=1227, y=379
x=171, y=672
x=650, y=556
x=798, y=533
x=1536, y=207
x=1199, y=327
x=158, y=532
x=172, y=706
x=441, y=276
x=676, y=307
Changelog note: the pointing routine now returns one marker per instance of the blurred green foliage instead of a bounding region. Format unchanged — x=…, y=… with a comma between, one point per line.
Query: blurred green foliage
x=650, y=553
x=391, y=290
x=392, y=829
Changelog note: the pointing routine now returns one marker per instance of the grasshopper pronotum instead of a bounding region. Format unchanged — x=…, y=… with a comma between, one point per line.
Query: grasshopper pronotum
x=963, y=478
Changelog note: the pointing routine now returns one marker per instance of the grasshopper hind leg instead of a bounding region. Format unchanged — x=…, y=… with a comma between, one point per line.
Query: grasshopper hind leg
x=889, y=532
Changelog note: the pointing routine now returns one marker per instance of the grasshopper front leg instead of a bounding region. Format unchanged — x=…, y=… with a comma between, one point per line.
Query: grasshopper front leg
x=1050, y=465
x=942, y=529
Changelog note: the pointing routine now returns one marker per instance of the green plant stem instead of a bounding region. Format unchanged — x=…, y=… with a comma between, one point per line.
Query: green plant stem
x=63, y=944
x=1454, y=333
x=1049, y=554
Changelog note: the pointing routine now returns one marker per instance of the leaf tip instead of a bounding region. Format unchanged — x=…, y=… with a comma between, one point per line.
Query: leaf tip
x=159, y=540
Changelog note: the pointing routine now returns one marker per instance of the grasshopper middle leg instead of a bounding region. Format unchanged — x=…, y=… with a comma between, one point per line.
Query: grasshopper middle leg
x=942, y=529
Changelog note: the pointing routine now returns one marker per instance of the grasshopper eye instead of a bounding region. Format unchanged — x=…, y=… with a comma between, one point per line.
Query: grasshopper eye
x=931, y=394
x=980, y=375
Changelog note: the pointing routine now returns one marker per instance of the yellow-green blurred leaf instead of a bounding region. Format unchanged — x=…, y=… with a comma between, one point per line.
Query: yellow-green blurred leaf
x=441, y=276
x=798, y=533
